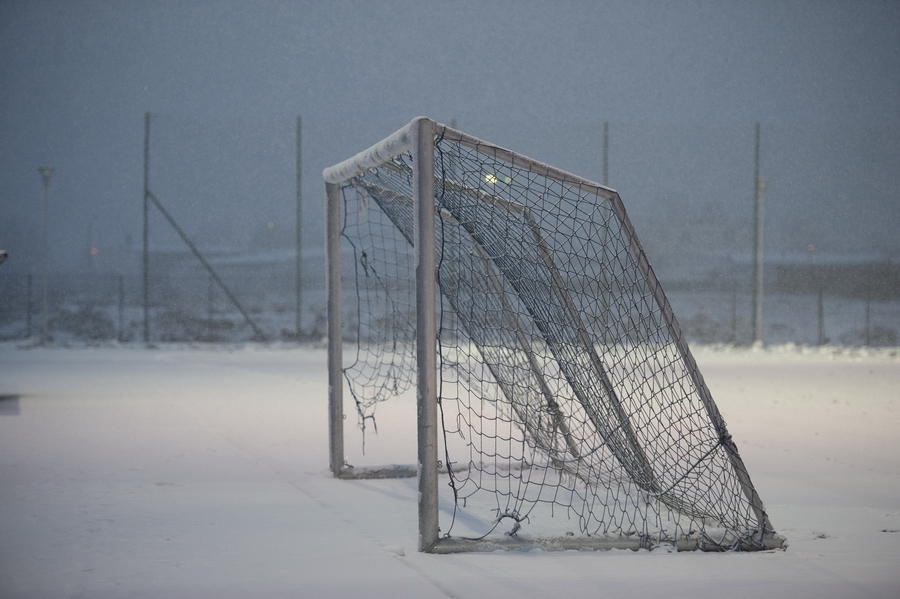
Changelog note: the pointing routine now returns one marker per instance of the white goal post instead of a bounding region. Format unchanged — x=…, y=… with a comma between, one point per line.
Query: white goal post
x=545, y=356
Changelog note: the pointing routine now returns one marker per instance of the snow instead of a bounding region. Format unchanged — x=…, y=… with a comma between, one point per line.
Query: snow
x=201, y=471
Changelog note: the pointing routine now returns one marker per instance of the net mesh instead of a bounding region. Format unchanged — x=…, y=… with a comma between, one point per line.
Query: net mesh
x=567, y=406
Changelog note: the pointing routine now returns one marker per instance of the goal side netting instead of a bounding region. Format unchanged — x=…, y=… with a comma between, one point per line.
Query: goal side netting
x=559, y=405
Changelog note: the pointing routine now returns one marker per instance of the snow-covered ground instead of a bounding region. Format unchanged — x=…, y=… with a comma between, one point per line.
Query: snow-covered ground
x=202, y=472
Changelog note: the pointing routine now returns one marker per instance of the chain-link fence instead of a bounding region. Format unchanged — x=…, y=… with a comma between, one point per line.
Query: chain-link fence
x=832, y=256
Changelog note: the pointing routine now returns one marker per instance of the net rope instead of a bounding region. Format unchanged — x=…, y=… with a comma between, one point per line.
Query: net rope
x=567, y=407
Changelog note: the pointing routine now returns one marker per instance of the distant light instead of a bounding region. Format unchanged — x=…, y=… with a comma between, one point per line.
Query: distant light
x=271, y=225
x=94, y=251
x=811, y=247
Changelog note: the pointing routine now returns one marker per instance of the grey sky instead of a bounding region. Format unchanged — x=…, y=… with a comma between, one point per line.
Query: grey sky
x=77, y=77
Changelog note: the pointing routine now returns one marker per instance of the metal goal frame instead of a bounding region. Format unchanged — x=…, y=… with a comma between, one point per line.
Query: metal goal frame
x=418, y=137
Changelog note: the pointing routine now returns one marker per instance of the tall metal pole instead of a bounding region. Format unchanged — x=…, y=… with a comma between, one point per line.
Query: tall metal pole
x=606, y=154
x=299, y=273
x=604, y=291
x=758, y=238
x=146, y=254
x=46, y=173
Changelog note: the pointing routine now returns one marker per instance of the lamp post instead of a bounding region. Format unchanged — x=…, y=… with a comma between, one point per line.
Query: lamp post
x=299, y=265
x=759, y=197
x=46, y=173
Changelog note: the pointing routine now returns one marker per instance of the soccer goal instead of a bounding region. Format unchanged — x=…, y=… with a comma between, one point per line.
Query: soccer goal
x=558, y=403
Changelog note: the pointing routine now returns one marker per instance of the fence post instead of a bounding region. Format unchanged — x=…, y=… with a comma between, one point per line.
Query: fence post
x=28, y=308
x=121, y=308
x=868, y=315
x=299, y=240
x=822, y=339
x=758, y=246
x=146, y=248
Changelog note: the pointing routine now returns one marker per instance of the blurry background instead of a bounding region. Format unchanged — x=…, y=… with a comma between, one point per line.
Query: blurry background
x=672, y=90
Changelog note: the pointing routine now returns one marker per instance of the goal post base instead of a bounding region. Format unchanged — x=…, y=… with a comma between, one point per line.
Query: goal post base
x=605, y=543
x=370, y=472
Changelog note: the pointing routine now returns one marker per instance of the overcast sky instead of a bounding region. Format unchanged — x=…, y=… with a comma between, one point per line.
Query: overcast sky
x=76, y=78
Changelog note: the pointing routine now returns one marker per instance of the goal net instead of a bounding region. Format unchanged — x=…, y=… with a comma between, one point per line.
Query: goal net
x=558, y=403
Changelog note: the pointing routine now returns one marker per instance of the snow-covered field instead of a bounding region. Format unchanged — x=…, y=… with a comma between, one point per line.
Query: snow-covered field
x=202, y=472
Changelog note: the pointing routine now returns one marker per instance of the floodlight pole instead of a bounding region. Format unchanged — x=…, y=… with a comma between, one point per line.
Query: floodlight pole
x=606, y=153
x=299, y=273
x=46, y=173
x=758, y=252
x=146, y=252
